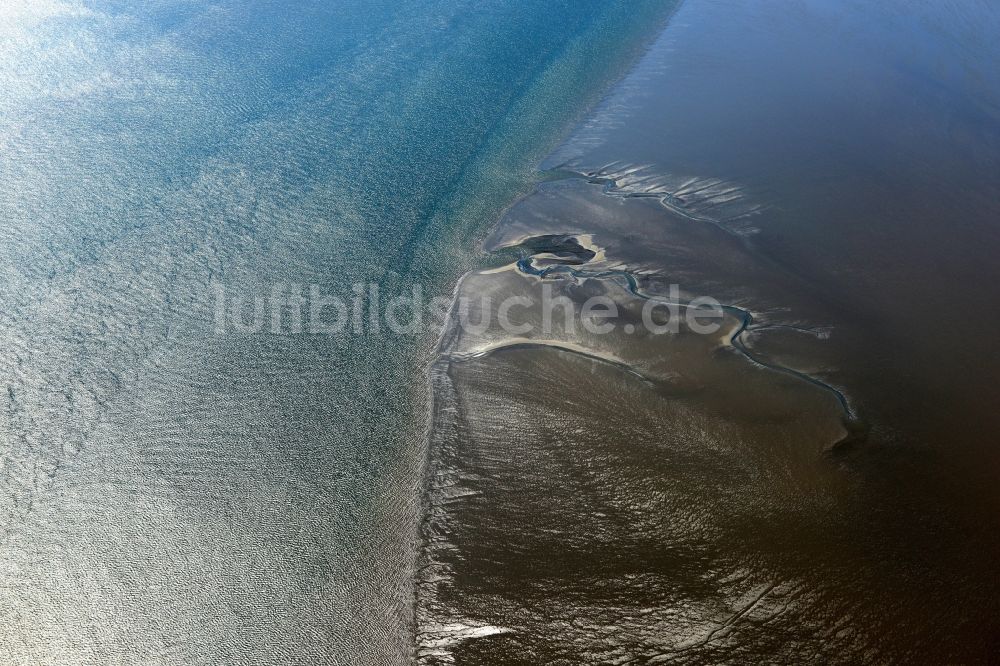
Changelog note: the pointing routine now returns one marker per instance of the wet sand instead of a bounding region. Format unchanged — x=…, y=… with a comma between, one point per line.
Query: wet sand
x=815, y=481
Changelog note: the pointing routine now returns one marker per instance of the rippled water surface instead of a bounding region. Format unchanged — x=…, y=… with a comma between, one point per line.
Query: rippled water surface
x=173, y=496
x=815, y=482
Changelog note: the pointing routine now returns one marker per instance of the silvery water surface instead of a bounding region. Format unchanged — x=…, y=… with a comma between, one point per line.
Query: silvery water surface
x=818, y=487
x=170, y=495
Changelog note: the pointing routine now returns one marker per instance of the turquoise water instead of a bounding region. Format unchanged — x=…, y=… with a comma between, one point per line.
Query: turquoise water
x=172, y=495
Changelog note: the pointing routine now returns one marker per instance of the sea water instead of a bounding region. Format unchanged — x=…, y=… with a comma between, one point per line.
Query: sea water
x=173, y=491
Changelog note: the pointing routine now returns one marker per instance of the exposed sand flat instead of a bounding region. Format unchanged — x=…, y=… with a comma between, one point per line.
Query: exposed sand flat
x=810, y=483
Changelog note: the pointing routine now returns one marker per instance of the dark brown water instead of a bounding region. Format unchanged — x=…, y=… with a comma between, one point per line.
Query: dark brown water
x=816, y=482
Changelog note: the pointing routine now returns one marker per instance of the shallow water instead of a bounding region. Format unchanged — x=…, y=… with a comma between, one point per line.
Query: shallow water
x=831, y=168
x=171, y=495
